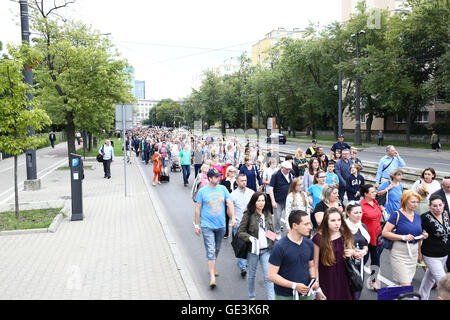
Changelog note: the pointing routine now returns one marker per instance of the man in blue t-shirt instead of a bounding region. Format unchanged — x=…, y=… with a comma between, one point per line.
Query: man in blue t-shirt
x=210, y=218
x=291, y=262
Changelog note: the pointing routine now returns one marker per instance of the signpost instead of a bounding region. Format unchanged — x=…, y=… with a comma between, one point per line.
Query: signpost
x=124, y=121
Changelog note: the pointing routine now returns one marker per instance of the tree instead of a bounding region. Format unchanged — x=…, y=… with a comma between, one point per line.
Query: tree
x=17, y=112
x=81, y=77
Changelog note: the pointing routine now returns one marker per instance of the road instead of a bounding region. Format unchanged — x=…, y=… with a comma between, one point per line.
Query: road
x=178, y=208
x=414, y=158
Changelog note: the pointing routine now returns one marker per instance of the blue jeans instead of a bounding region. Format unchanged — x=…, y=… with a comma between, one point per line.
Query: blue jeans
x=242, y=263
x=252, y=260
x=186, y=172
x=212, y=238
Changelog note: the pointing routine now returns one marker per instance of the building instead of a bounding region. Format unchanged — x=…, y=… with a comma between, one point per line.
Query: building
x=141, y=110
x=229, y=66
x=349, y=6
x=139, y=89
x=260, y=49
x=436, y=112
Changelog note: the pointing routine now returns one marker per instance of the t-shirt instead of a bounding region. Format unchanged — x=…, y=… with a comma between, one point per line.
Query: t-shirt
x=185, y=157
x=405, y=226
x=315, y=192
x=320, y=207
x=213, y=206
x=293, y=262
x=331, y=177
x=394, y=196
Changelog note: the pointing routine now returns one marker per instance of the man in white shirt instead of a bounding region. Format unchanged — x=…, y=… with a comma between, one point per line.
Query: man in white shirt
x=241, y=197
x=108, y=156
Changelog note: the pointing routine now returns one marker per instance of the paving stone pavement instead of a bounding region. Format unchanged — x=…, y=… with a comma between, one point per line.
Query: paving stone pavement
x=118, y=251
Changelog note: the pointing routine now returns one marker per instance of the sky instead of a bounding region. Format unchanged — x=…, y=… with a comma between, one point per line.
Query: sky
x=170, y=43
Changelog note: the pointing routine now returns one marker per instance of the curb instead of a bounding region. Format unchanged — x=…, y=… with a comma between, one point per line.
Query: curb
x=186, y=277
x=51, y=229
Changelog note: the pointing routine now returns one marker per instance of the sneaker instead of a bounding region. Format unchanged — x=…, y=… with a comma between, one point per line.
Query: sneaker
x=212, y=284
x=243, y=273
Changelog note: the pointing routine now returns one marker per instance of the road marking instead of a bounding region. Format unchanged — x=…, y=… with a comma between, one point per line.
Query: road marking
x=50, y=168
x=381, y=278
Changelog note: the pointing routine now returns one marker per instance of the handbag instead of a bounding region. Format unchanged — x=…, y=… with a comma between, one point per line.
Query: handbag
x=100, y=155
x=354, y=276
x=240, y=247
x=383, y=242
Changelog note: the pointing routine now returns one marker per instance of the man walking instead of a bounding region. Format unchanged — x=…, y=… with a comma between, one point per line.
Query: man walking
x=185, y=160
x=108, y=156
x=389, y=162
x=210, y=218
x=342, y=169
x=278, y=191
x=52, y=138
x=291, y=262
x=241, y=197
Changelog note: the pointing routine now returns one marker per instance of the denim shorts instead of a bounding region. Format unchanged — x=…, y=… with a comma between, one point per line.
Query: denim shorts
x=212, y=239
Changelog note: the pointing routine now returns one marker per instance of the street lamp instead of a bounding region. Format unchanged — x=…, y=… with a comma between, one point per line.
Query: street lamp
x=357, y=102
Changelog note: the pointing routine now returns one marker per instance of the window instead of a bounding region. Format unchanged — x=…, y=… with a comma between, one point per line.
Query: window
x=422, y=117
x=362, y=118
x=398, y=118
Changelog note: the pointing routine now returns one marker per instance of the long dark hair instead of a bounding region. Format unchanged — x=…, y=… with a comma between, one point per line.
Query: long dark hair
x=251, y=207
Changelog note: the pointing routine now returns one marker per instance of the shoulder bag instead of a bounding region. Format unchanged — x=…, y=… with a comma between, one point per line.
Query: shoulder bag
x=354, y=276
x=240, y=247
x=386, y=243
x=100, y=155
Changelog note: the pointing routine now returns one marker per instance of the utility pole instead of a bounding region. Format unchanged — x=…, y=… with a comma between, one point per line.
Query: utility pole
x=340, y=102
x=358, y=99
x=32, y=183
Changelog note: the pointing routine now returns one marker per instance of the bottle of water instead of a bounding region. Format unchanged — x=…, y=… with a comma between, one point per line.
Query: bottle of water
x=357, y=262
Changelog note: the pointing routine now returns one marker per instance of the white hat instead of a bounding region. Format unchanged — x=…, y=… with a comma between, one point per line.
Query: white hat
x=286, y=164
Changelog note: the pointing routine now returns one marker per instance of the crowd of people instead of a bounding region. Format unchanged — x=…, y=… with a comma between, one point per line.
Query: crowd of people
x=304, y=217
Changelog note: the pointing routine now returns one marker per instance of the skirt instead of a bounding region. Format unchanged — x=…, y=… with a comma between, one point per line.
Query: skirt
x=403, y=266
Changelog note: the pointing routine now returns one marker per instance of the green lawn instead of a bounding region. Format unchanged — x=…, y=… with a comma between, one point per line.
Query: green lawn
x=28, y=219
x=117, y=148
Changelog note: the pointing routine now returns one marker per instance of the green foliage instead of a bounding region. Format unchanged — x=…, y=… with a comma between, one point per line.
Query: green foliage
x=15, y=119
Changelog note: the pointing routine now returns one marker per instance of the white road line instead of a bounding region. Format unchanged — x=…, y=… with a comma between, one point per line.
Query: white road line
x=381, y=278
x=51, y=169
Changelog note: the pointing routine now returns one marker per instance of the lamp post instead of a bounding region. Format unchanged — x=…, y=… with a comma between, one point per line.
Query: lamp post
x=30, y=155
x=358, y=100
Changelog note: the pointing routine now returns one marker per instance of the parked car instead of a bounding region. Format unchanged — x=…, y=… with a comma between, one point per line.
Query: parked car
x=276, y=137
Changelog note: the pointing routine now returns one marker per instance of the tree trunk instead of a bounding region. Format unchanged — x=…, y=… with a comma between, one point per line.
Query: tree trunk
x=16, y=189
x=70, y=129
x=369, y=121
x=90, y=142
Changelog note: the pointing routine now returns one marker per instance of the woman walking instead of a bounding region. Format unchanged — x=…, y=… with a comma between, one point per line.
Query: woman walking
x=332, y=242
x=361, y=237
x=308, y=177
x=257, y=228
x=394, y=190
x=330, y=199
x=405, y=250
x=436, y=248
x=296, y=200
x=371, y=217
x=252, y=174
x=157, y=166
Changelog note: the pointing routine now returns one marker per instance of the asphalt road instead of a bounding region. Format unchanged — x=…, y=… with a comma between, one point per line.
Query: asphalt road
x=179, y=210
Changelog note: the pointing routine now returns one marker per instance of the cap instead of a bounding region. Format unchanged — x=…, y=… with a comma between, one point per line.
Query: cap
x=314, y=141
x=341, y=136
x=286, y=164
x=213, y=173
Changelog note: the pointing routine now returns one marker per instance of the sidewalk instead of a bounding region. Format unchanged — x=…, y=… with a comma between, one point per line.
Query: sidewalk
x=119, y=250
